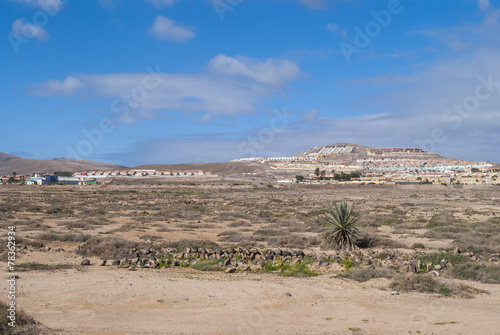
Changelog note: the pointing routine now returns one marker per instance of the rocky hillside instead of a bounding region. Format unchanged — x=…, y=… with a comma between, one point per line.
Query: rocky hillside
x=23, y=166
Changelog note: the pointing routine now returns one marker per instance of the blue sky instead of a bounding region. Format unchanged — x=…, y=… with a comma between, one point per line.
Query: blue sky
x=172, y=81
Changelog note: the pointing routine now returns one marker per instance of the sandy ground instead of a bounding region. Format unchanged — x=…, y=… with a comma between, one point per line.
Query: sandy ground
x=109, y=300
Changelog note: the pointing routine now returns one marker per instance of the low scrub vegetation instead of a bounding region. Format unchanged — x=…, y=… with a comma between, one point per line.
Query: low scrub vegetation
x=367, y=273
x=106, y=247
x=207, y=265
x=42, y=267
x=425, y=283
x=486, y=273
x=296, y=270
x=25, y=324
x=62, y=237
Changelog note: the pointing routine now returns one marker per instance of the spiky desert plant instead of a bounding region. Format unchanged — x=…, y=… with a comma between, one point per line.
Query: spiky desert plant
x=343, y=219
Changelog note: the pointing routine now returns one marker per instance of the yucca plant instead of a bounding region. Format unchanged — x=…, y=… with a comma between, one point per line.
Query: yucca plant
x=343, y=219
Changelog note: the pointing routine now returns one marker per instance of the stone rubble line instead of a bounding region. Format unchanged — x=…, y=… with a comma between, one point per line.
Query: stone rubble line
x=253, y=259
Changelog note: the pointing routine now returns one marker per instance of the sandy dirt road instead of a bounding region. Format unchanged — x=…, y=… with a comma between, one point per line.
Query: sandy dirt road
x=107, y=300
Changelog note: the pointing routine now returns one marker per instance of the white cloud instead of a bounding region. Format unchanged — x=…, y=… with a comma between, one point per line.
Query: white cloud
x=223, y=91
x=315, y=4
x=52, y=7
x=68, y=86
x=271, y=71
x=492, y=14
x=205, y=118
x=162, y=3
x=39, y=2
x=334, y=28
x=108, y=4
x=483, y=5
x=29, y=30
x=166, y=29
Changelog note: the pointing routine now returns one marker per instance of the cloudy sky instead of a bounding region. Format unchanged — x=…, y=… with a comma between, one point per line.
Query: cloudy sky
x=171, y=81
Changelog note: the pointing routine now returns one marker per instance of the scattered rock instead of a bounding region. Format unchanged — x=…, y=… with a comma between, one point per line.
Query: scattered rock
x=231, y=270
x=85, y=262
x=405, y=268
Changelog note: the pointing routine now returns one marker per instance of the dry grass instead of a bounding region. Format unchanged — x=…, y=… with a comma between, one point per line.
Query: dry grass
x=367, y=273
x=25, y=324
x=425, y=283
x=106, y=247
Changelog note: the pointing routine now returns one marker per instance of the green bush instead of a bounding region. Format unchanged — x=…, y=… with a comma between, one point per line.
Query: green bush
x=342, y=220
x=298, y=270
x=207, y=265
x=346, y=263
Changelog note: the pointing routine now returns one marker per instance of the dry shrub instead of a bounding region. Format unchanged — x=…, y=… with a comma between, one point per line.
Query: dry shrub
x=425, y=283
x=367, y=273
x=25, y=324
x=239, y=223
x=486, y=273
x=375, y=241
x=57, y=210
x=62, y=237
x=235, y=237
x=292, y=241
x=108, y=247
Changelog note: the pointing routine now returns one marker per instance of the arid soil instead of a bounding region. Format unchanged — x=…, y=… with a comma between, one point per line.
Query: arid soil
x=68, y=298
x=97, y=300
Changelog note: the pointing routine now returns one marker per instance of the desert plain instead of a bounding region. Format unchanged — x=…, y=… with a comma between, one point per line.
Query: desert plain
x=427, y=262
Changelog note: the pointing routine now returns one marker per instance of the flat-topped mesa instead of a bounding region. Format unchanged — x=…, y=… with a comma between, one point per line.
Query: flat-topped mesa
x=335, y=149
x=401, y=152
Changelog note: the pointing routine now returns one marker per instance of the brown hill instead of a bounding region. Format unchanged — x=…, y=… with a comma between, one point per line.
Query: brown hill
x=6, y=157
x=25, y=166
x=227, y=168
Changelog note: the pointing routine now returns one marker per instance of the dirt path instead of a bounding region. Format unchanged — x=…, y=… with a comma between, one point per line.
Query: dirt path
x=105, y=300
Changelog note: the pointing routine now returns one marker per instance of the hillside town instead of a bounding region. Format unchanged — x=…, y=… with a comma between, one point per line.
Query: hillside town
x=392, y=171
x=96, y=177
x=351, y=164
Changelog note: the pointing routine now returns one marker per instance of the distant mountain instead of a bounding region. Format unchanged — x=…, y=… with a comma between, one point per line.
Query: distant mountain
x=24, y=166
x=6, y=157
x=216, y=168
